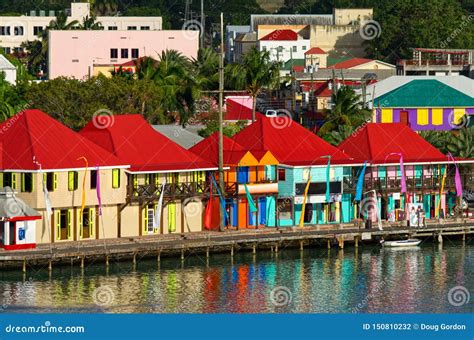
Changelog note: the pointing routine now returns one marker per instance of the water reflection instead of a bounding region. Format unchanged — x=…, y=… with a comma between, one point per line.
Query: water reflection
x=366, y=280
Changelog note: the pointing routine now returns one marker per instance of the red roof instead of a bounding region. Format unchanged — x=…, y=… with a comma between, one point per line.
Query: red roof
x=135, y=142
x=298, y=68
x=377, y=140
x=315, y=50
x=239, y=108
x=31, y=139
x=281, y=35
x=208, y=148
x=350, y=63
x=289, y=142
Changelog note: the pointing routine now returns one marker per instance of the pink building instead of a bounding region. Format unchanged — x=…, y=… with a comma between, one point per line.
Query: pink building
x=77, y=53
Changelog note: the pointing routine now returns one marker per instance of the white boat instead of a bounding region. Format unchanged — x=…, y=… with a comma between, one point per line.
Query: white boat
x=413, y=242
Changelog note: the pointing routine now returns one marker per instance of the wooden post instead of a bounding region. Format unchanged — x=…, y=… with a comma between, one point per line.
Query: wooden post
x=82, y=261
x=301, y=245
x=440, y=238
x=341, y=243
x=107, y=260
x=232, y=251
x=329, y=244
x=356, y=239
x=50, y=265
x=207, y=252
x=276, y=248
x=182, y=254
x=134, y=258
x=158, y=256
x=24, y=265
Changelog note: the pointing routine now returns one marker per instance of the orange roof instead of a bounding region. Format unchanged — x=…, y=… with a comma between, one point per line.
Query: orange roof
x=350, y=63
x=315, y=50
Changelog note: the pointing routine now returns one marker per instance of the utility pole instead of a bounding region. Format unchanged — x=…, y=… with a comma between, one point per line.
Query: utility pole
x=203, y=24
x=221, y=138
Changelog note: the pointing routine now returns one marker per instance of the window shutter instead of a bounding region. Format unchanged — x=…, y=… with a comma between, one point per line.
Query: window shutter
x=437, y=116
x=14, y=186
x=23, y=177
x=57, y=215
x=79, y=222
x=1, y=180
x=69, y=223
x=91, y=222
x=386, y=116
x=70, y=180
x=55, y=181
x=116, y=178
x=422, y=116
x=145, y=219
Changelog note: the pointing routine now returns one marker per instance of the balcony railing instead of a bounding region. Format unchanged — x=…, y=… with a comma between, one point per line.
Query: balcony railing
x=151, y=192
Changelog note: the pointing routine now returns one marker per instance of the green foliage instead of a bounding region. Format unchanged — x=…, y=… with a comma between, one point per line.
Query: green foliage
x=228, y=130
x=458, y=142
x=337, y=136
x=347, y=110
x=11, y=98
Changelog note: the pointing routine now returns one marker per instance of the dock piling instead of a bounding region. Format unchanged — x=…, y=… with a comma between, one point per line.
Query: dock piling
x=301, y=245
x=134, y=258
x=182, y=254
x=158, y=256
x=329, y=244
x=341, y=243
x=276, y=248
x=82, y=261
x=254, y=248
x=440, y=238
x=356, y=240
x=207, y=252
x=24, y=265
x=232, y=251
x=50, y=265
x=107, y=260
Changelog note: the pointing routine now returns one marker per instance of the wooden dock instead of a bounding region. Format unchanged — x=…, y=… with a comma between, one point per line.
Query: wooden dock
x=182, y=245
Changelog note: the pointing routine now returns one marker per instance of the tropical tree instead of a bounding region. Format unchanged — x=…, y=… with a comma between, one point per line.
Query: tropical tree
x=90, y=24
x=347, y=109
x=105, y=7
x=458, y=142
x=206, y=69
x=337, y=136
x=257, y=72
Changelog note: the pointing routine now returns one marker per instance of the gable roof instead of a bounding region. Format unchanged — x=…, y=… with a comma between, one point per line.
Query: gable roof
x=289, y=142
x=134, y=141
x=377, y=140
x=239, y=108
x=280, y=35
x=315, y=50
x=424, y=93
x=350, y=63
x=32, y=138
x=5, y=64
x=186, y=137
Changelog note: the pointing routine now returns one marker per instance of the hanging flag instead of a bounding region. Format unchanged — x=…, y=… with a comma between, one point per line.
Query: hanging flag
x=97, y=188
x=252, y=206
x=457, y=176
x=221, y=198
x=208, y=211
x=84, y=185
x=442, y=187
x=360, y=183
x=305, y=197
x=402, y=170
x=159, y=208
x=328, y=174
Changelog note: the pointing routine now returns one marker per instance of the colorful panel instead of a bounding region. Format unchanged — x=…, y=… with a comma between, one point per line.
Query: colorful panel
x=422, y=117
x=387, y=116
x=437, y=116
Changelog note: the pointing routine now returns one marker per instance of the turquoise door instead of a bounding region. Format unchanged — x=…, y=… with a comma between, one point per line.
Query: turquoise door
x=271, y=211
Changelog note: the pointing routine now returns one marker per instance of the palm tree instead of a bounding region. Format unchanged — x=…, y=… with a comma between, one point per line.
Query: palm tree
x=104, y=7
x=336, y=137
x=458, y=142
x=90, y=24
x=206, y=67
x=258, y=72
x=347, y=110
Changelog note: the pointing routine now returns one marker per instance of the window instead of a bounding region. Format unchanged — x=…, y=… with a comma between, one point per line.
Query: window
x=63, y=219
x=294, y=48
x=282, y=174
x=18, y=30
x=8, y=179
x=4, y=30
x=72, y=180
x=303, y=47
x=144, y=28
x=112, y=28
x=27, y=182
x=132, y=28
x=37, y=30
x=284, y=209
x=113, y=53
x=116, y=178
x=124, y=53
x=149, y=219
x=93, y=179
x=8, y=50
x=86, y=223
x=51, y=181
x=135, y=53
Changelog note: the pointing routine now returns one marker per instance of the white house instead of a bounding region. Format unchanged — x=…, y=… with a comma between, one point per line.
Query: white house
x=16, y=29
x=8, y=69
x=284, y=44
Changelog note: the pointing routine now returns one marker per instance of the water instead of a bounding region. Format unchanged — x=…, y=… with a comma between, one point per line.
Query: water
x=368, y=280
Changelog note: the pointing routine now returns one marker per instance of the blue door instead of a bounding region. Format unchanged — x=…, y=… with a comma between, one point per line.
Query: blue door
x=243, y=174
x=262, y=210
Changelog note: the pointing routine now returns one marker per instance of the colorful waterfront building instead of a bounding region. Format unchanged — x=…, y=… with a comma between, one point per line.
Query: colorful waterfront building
x=157, y=165
x=57, y=172
x=381, y=146
x=424, y=102
x=303, y=172
x=250, y=181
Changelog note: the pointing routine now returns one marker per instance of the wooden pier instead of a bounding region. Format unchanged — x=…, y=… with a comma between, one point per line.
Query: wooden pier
x=231, y=241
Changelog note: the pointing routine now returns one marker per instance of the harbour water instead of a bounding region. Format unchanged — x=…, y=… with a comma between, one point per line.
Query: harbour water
x=370, y=279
